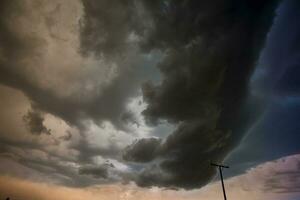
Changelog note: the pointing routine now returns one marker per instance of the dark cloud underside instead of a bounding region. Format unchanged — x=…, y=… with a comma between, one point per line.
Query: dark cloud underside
x=90, y=68
x=97, y=172
x=211, y=49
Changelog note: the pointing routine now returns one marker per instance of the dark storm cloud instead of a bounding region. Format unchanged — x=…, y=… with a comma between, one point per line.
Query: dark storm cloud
x=203, y=70
x=278, y=64
x=142, y=150
x=97, y=171
x=275, y=81
x=184, y=158
x=211, y=49
x=34, y=122
x=106, y=26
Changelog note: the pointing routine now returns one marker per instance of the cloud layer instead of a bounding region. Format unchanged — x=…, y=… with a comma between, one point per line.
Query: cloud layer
x=258, y=183
x=82, y=71
x=205, y=75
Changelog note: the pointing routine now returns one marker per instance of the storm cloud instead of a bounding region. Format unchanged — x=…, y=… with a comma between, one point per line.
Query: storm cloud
x=97, y=172
x=142, y=150
x=96, y=82
x=81, y=64
x=204, y=85
x=45, y=53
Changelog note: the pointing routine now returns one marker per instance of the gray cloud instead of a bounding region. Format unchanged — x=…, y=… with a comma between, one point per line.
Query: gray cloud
x=66, y=137
x=97, y=171
x=34, y=121
x=108, y=98
x=183, y=158
x=106, y=27
x=57, y=168
x=87, y=80
x=209, y=51
x=204, y=88
x=142, y=150
x=87, y=152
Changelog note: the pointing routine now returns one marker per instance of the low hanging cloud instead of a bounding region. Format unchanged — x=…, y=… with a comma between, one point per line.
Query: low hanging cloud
x=97, y=171
x=211, y=48
x=142, y=150
x=251, y=185
x=86, y=59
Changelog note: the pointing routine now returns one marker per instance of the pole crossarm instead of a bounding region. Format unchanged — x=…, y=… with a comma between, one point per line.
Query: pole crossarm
x=217, y=165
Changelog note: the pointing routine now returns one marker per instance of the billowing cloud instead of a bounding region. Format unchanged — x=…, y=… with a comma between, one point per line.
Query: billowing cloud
x=142, y=150
x=251, y=185
x=205, y=75
x=107, y=27
x=97, y=172
x=81, y=64
x=68, y=87
x=51, y=64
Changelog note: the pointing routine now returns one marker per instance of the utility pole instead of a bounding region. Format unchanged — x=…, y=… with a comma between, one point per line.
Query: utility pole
x=221, y=175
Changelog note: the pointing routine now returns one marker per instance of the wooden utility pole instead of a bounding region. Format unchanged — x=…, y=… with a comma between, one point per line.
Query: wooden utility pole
x=221, y=175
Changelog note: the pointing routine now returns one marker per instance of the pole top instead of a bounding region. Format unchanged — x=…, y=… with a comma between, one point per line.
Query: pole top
x=217, y=165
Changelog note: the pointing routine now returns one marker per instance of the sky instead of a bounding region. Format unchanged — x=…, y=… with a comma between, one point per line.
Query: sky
x=134, y=99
